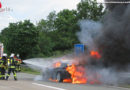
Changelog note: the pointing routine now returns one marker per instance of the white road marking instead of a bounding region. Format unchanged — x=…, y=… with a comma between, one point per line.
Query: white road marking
x=49, y=86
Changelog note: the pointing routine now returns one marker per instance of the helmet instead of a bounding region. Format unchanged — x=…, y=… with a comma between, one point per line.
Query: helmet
x=17, y=55
x=12, y=55
x=5, y=54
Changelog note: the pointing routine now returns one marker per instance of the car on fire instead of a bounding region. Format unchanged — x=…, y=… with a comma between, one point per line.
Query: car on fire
x=57, y=73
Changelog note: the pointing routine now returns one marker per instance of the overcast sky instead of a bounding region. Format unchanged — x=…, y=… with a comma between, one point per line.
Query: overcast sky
x=32, y=9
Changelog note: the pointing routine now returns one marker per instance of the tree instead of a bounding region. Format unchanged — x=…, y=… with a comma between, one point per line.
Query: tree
x=51, y=21
x=66, y=20
x=42, y=26
x=49, y=24
x=21, y=38
x=89, y=9
x=66, y=25
x=45, y=44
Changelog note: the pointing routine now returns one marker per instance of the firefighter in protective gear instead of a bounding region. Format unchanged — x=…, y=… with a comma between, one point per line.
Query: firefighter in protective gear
x=19, y=61
x=11, y=67
x=3, y=66
x=0, y=67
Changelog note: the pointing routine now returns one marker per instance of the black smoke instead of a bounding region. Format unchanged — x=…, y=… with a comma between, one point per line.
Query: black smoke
x=114, y=43
x=111, y=3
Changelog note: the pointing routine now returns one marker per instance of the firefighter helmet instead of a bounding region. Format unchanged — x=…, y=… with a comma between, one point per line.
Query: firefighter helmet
x=5, y=54
x=17, y=55
x=12, y=55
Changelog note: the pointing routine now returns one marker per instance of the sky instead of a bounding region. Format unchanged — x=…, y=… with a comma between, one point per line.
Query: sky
x=33, y=10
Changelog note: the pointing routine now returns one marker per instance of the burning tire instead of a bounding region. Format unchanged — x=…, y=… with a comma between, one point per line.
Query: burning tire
x=59, y=77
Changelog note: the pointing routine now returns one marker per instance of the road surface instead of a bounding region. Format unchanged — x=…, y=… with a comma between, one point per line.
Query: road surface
x=26, y=82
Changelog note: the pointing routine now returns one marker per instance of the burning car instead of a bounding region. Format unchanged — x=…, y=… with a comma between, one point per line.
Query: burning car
x=64, y=72
x=73, y=71
x=58, y=73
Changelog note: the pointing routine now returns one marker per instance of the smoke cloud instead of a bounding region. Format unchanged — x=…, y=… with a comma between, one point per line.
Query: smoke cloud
x=89, y=31
x=112, y=37
x=114, y=42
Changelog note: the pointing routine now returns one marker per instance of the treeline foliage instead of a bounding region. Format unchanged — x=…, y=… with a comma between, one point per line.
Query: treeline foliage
x=55, y=34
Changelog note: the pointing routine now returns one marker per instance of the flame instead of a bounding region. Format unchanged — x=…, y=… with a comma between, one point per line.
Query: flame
x=95, y=54
x=53, y=80
x=77, y=74
x=57, y=64
x=67, y=80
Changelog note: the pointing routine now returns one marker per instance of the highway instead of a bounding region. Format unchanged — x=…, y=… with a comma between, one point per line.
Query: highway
x=26, y=82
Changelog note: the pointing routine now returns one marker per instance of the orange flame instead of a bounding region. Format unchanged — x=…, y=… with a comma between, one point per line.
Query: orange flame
x=67, y=80
x=77, y=74
x=95, y=54
x=57, y=64
x=53, y=80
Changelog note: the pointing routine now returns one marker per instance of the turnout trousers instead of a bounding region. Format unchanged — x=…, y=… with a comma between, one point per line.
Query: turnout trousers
x=2, y=73
x=9, y=72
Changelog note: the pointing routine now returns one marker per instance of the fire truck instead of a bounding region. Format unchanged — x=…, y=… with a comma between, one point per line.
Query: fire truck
x=1, y=49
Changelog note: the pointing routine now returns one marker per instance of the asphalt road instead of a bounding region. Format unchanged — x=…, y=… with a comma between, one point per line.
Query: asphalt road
x=26, y=82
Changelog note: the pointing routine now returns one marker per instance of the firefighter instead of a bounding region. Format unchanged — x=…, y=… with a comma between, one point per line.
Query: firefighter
x=11, y=67
x=0, y=67
x=3, y=66
x=19, y=61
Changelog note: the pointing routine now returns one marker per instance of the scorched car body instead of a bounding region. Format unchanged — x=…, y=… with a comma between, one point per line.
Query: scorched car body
x=58, y=73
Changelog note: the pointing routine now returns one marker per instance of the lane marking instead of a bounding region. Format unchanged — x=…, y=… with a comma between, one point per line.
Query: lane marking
x=48, y=86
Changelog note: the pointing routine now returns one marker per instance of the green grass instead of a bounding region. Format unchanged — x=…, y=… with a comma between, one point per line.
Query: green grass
x=29, y=70
x=126, y=86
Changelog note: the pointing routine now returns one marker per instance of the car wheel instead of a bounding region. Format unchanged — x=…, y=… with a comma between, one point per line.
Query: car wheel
x=59, y=77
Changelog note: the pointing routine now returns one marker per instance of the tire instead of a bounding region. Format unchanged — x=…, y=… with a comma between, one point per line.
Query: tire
x=59, y=77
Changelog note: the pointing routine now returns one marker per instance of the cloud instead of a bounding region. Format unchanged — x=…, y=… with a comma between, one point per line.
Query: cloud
x=5, y=19
x=32, y=9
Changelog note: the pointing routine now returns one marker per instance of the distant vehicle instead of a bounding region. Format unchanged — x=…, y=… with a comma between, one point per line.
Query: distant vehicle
x=57, y=73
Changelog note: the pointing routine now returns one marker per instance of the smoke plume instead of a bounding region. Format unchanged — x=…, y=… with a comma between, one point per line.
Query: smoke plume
x=89, y=30
x=112, y=37
x=114, y=42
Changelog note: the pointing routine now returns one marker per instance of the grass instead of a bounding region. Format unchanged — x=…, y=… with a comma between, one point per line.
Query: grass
x=126, y=86
x=29, y=70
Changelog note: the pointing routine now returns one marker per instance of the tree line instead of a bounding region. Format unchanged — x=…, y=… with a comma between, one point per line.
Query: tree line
x=50, y=36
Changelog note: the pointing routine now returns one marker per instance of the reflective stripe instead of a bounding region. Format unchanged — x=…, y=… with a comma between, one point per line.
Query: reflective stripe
x=8, y=75
x=8, y=62
x=12, y=67
x=3, y=75
x=14, y=75
x=11, y=61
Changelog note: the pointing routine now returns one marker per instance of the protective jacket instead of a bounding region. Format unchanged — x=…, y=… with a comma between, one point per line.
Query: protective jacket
x=11, y=68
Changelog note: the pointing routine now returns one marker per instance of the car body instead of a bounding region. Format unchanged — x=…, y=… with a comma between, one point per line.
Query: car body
x=57, y=73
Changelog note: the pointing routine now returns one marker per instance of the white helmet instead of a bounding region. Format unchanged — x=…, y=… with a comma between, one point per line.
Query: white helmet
x=17, y=55
x=4, y=54
x=12, y=55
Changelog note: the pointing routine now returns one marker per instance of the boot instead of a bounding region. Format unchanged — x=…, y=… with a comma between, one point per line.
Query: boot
x=7, y=77
x=15, y=79
x=2, y=78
